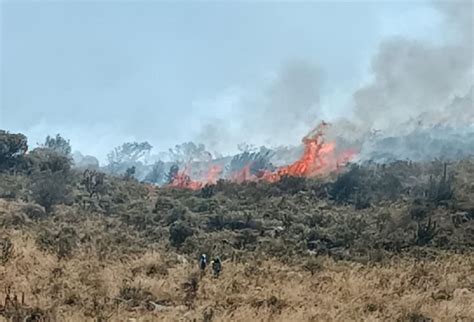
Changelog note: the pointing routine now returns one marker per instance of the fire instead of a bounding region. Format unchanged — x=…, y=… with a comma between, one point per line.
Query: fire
x=319, y=158
x=242, y=175
x=183, y=178
x=213, y=174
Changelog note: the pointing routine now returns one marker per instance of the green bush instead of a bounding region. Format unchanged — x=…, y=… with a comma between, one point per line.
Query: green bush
x=12, y=149
x=51, y=188
x=179, y=232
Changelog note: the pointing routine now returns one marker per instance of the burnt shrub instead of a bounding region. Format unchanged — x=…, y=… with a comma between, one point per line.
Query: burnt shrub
x=291, y=184
x=347, y=185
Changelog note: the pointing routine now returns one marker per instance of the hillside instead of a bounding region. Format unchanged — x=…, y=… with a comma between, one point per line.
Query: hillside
x=373, y=242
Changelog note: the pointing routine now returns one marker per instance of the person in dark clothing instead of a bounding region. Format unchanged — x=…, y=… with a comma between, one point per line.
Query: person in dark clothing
x=203, y=262
x=216, y=266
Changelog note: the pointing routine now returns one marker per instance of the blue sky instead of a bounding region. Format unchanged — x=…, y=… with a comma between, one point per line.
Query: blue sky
x=101, y=73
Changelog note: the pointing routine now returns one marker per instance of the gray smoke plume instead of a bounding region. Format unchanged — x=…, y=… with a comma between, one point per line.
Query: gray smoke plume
x=412, y=77
x=421, y=98
x=280, y=113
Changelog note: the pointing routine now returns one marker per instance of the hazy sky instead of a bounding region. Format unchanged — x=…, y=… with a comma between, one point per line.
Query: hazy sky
x=104, y=72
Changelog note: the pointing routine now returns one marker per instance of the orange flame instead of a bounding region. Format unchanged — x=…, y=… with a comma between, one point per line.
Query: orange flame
x=319, y=158
x=183, y=178
x=242, y=175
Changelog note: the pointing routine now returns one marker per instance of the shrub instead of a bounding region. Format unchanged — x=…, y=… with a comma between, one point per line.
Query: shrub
x=190, y=288
x=313, y=265
x=51, y=188
x=12, y=148
x=6, y=250
x=93, y=181
x=44, y=159
x=127, y=153
x=58, y=144
x=136, y=297
x=157, y=173
x=179, y=231
x=130, y=173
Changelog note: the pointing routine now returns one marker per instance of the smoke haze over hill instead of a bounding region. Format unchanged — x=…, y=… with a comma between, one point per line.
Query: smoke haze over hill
x=386, y=73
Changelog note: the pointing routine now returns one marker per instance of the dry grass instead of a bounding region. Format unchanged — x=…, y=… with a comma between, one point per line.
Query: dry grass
x=159, y=286
x=291, y=251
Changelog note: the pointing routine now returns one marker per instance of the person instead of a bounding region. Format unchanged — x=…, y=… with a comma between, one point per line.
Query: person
x=203, y=262
x=216, y=266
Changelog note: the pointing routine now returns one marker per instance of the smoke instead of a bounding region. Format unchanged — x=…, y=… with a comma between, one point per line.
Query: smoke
x=413, y=77
x=279, y=113
x=419, y=103
x=416, y=87
x=290, y=101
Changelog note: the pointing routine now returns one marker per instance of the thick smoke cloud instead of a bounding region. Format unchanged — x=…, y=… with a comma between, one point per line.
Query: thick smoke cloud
x=292, y=99
x=417, y=87
x=419, y=104
x=280, y=113
x=412, y=77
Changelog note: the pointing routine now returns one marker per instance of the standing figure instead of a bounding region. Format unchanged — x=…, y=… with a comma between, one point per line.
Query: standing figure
x=202, y=262
x=216, y=266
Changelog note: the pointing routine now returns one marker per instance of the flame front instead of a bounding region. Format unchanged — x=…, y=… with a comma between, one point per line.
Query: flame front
x=319, y=158
x=183, y=178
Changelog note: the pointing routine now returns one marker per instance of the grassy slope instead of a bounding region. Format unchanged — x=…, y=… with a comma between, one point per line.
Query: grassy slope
x=83, y=287
x=78, y=264
x=158, y=285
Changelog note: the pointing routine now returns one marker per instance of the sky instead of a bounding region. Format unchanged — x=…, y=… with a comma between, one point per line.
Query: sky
x=105, y=72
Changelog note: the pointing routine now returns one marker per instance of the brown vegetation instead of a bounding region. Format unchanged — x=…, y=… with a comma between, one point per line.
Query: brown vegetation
x=39, y=286
x=375, y=242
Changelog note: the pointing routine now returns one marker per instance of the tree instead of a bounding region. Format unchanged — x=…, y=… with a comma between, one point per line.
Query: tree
x=127, y=153
x=93, y=181
x=129, y=173
x=12, y=148
x=157, y=173
x=58, y=144
x=172, y=173
x=190, y=152
x=246, y=147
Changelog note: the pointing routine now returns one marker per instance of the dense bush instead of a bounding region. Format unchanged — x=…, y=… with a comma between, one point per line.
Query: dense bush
x=12, y=149
x=58, y=144
x=45, y=159
x=50, y=188
x=179, y=231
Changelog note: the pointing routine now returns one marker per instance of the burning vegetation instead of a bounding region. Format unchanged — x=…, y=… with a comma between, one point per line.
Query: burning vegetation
x=387, y=241
x=319, y=158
